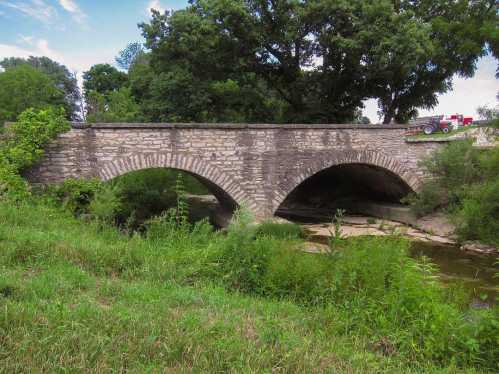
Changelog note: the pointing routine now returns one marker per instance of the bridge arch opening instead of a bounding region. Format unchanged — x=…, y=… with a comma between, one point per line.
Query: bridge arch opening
x=147, y=193
x=220, y=185
x=357, y=188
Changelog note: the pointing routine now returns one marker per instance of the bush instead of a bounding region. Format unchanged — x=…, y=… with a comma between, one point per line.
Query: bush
x=431, y=197
x=75, y=195
x=371, y=285
x=22, y=145
x=105, y=205
x=465, y=182
x=280, y=230
x=477, y=218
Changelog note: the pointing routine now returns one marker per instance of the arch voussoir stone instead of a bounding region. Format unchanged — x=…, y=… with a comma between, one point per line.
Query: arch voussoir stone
x=126, y=164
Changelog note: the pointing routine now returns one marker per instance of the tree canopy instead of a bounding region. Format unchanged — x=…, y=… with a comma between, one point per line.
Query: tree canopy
x=310, y=61
x=129, y=55
x=63, y=79
x=23, y=87
x=104, y=79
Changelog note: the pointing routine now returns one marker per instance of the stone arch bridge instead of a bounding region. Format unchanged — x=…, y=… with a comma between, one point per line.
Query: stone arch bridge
x=257, y=165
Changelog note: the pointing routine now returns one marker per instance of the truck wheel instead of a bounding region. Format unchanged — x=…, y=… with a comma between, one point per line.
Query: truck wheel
x=445, y=130
x=428, y=130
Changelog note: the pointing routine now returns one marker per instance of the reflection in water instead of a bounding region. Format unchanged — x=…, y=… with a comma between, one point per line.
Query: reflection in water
x=476, y=272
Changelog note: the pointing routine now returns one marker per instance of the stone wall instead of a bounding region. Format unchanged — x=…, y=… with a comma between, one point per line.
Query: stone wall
x=255, y=165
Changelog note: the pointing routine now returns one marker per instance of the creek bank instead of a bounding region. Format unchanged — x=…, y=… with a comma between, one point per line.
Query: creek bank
x=435, y=228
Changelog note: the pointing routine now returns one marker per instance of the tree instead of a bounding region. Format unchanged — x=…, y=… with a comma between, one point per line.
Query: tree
x=104, y=79
x=196, y=76
x=425, y=44
x=63, y=79
x=24, y=87
x=99, y=83
x=129, y=55
x=118, y=106
x=321, y=59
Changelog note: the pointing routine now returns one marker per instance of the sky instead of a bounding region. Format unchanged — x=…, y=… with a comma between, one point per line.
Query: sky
x=81, y=33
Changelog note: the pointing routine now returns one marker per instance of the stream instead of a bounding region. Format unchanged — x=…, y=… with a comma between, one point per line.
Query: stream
x=476, y=272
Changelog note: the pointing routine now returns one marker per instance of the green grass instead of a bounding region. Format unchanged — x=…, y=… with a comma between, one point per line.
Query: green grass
x=81, y=297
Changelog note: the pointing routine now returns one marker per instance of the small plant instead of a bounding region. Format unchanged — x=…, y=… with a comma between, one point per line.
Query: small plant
x=173, y=222
x=371, y=221
x=335, y=235
x=105, y=206
x=182, y=209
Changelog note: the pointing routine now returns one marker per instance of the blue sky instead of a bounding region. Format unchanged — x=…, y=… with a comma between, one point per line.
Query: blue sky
x=80, y=33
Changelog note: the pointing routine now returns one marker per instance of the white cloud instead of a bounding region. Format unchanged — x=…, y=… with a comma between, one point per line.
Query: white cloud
x=155, y=4
x=26, y=39
x=77, y=63
x=72, y=7
x=39, y=47
x=36, y=9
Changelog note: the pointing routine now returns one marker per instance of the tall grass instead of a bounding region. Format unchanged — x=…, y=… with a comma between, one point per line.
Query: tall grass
x=81, y=296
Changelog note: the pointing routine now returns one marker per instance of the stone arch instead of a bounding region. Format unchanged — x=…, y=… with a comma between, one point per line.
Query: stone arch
x=294, y=178
x=217, y=181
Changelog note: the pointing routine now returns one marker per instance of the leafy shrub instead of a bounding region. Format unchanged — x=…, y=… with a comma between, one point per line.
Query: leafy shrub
x=22, y=145
x=242, y=260
x=372, y=283
x=431, y=197
x=280, y=230
x=105, y=205
x=75, y=195
x=466, y=183
x=477, y=218
x=175, y=221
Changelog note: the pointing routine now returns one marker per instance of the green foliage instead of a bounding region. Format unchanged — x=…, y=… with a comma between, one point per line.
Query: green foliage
x=23, y=145
x=430, y=198
x=335, y=236
x=116, y=106
x=24, y=87
x=104, y=79
x=130, y=200
x=71, y=274
x=107, y=98
x=62, y=78
x=242, y=260
x=128, y=56
x=278, y=230
x=75, y=195
x=148, y=193
x=466, y=182
x=490, y=114
x=105, y=205
x=316, y=61
x=477, y=215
